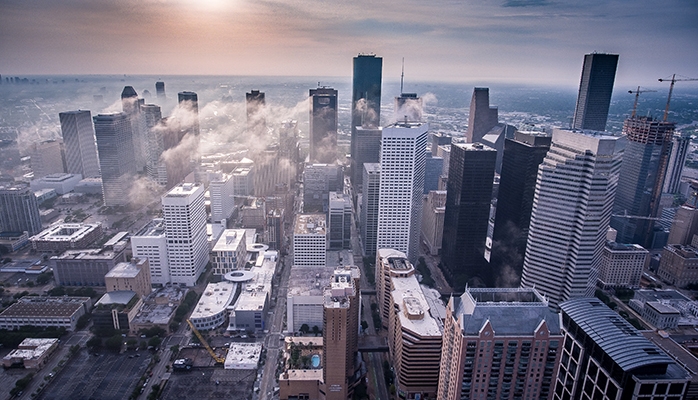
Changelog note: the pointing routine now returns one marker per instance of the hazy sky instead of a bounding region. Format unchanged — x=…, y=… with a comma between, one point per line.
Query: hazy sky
x=526, y=41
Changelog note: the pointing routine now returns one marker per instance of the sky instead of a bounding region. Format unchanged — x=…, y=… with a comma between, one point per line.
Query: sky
x=517, y=41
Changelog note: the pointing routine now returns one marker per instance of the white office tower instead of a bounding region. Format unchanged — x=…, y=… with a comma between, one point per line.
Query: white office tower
x=151, y=243
x=184, y=213
x=221, y=190
x=572, y=207
x=79, y=142
x=402, y=162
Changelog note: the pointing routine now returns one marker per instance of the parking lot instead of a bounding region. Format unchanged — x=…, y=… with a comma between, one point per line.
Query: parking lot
x=210, y=383
x=103, y=377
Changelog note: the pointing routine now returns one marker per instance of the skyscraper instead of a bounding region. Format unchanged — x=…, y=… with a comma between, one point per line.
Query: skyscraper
x=80, y=145
x=189, y=101
x=155, y=144
x=369, y=207
x=19, y=210
x=46, y=158
x=482, y=117
x=408, y=107
x=323, y=125
x=468, y=199
x=572, y=207
x=131, y=105
x=184, y=213
x=403, y=162
x=160, y=90
x=595, y=89
x=116, y=157
x=366, y=144
x=255, y=103
x=365, y=100
x=677, y=159
x=522, y=156
x=641, y=179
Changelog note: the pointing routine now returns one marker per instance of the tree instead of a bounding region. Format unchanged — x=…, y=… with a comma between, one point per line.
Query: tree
x=174, y=349
x=364, y=325
x=131, y=343
x=94, y=343
x=154, y=341
x=82, y=322
x=305, y=329
x=316, y=330
x=43, y=278
x=114, y=343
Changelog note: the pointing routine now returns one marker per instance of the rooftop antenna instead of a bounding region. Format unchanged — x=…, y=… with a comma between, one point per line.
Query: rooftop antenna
x=402, y=75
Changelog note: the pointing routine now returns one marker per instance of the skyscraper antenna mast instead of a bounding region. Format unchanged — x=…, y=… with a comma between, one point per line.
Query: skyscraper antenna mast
x=402, y=75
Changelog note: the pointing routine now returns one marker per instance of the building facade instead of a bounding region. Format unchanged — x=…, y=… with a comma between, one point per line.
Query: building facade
x=19, y=210
x=403, y=162
x=151, y=243
x=117, y=162
x=595, y=89
x=622, y=265
x=572, y=207
x=679, y=265
x=369, y=207
x=310, y=241
x=84, y=267
x=482, y=117
x=323, y=125
x=433, y=220
x=230, y=252
x=677, y=160
x=339, y=220
x=133, y=276
x=80, y=144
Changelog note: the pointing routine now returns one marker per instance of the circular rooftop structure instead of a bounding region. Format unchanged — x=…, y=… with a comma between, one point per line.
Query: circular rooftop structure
x=257, y=247
x=238, y=276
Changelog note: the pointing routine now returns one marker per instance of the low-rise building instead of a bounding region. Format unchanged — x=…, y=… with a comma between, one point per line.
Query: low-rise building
x=304, y=299
x=679, y=265
x=230, y=252
x=59, y=312
x=14, y=241
x=62, y=183
x=61, y=237
x=85, y=267
x=211, y=310
x=31, y=353
x=134, y=275
x=660, y=315
x=251, y=306
x=243, y=356
x=116, y=310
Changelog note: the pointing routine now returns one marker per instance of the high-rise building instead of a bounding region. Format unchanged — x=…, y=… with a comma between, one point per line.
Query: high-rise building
x=318, y=181
x=189, y=102
x=482, y=117
x=622, y=265
x=468, y=199
x=230, y=252
x=433, y=220
x=116, y=157
x=438, y=139
x=46, y=158
x=415, y=330
x=131, y=105
x=255, y=103
x=339, y=221
x=80, y=144
x=595, y=89
x=366, y=148
x=408, y=108
x=184, y=213
x=222, y=192
x=495, y=342
x=403, y=161
x=310, y=240
x=154, y=142
x=19, y=210
x=366, y=104
x=340, y=332
x=323, y=125
x=677, y=159
x=432, y=172
x=160, y=90
x=151, y=243
x=605, y=357
x=496, y=138
x=572, y=207
x=522, y=156
x=641, y=179
x=369, y=207
x=679, y=265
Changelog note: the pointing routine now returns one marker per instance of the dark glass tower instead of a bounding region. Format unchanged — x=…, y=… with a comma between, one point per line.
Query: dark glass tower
x=160, y=90
x=471, y=172
x=595, y=89
x=254, y=101
x=522, y=156
x=366, y=92
x=323, y=125
x=641, y=179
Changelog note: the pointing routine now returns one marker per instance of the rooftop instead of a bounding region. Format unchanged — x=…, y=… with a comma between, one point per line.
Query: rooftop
x=65, y=232
x=116, y=297
x=309, y=224
x=256, y=292
x=473, y=147
x=414, y=312
x=229, y=240
x=48, y=306
x=662, y=308
x=216, y=297
x=86, y=254
x=659, y=295
x=243, y=356
x=183, y=190
x=302, y=375
x=510, y=311
x=32, y=348
x=625, y=247
x=124, y=270
x=158, y=314
x=309, y=281
x=616, y=337
x=156, y=227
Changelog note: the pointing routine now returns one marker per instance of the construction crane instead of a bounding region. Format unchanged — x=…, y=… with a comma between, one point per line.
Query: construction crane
x=219, y=360
x=673, y=80
x=637, y=95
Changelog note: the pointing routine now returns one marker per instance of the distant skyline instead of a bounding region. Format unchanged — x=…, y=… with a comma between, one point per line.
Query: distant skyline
x=517, y=41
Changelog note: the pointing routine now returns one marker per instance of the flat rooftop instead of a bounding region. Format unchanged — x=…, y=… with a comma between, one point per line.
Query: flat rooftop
x=32, y=348
x=229, y=240
x=183, y=190
x=86, y=254
x=659, y=295
x=302, y=375
x=473, y=146
x=662, y=308
x=158, y=314
x=32, y=306
x=626, y=247
x=414, y=309
x=255, y=293
x=123, y=270
x=116, y=297
x=156, y=227
x=216, y=298
x=309, y=224
x=243, y=356
x=309, y=281
x=65, y=232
